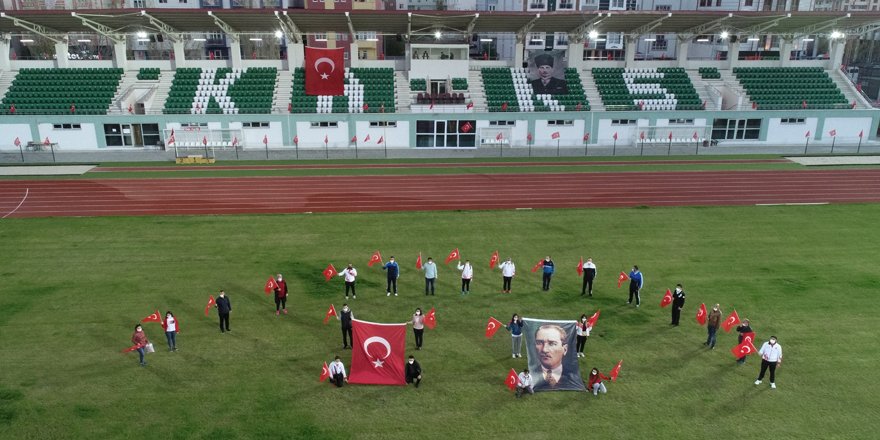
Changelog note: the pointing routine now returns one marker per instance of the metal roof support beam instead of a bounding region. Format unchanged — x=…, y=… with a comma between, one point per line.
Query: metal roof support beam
x=50, y=34
x=116, y=37
x=864, y=30
x=168, y=31
x=470, y=26
x=350, y=27
x=577, y=34
x=225, y=27
x=523, y=31
x=815, y=28
x=408, y=25
x=285, y=29
x=704, y=28
x=291, y=26
x=650, y=26
x=755, y=30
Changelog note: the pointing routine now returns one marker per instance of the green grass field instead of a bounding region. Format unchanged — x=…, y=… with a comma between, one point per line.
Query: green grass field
x=72, y=290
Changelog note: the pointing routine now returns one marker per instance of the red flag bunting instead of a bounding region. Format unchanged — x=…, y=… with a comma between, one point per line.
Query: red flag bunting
x=493, y=260
x=325, y=373
x=591, y=321
x=153, y=317
x=329, y=272
x=377, y=355
x=454, y=255
x=730, y=321
x=211, y=303
x=330, y=312
x=701, y=315
x=419, y=261
x=270, y=286
x=512, y=380
x=375, y=258
x=621, y=278
x=580, y=267
x=431, y=318
x=667, y=299
x=615, y=371
x=492, y=326
x=325, y=70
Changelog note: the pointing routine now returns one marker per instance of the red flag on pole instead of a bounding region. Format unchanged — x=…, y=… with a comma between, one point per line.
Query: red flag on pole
x=330, y=312
x=325, y=69
x=512, y=380
x=132, y=348
x=17, y=141
x=47, y=141
x=580, y=267
x=804, y=104
x=326, y=139
x=381, y=140
x=695, y=137
x=325, y=373
x=419, y=261
x=744, y=349
x=730, y=321
x=211, y=303
x=499, y=136
x=621, y=278
x=171, y=138
x=701, y=314
x=354, y=139
x=296, y=139
x=470, y=105
x=808, y=134
x=234, y=141
x=528, y=137
x=538, y=266
x=861, y=133
x=504, y=106
x=375, y=258
x=833, y=132
x=329, y=272
x=615, y=136
x=642, y=135
x=591, y=321
x=467, y=127
x=377, y=355
x=270, y=286
x=431, y=318
x=493, y=260
x=204, y=140
x=667, y=299
x=492, y=326
x=554, y=135
x=454, y=255
x=130, y=109
x=586, y=137
x=670, y=136
x=367, y=139
x=749, y=337
x=431, y=107
x=266, y=139
x=153, y=317
x=615, y=371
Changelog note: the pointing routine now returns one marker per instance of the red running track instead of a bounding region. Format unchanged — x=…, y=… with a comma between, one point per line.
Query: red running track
x=175, y=196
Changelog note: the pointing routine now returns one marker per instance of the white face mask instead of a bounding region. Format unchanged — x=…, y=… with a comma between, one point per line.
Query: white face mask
x=772, y=342
x=678, y=290
x=411, y=361
x=583, y=319
x=418, y=313
x=715, y=308
x=279, y=279
x=345, y=309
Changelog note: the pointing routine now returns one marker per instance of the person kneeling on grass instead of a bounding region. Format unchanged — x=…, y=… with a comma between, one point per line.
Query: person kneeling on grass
x=525, y=383
x=413, y=372
x=594, y=382
x=337, y=373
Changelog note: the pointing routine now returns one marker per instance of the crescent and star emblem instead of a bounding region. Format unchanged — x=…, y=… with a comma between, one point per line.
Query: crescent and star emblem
x=323, y=60
x=377, y=363
x=491, y=326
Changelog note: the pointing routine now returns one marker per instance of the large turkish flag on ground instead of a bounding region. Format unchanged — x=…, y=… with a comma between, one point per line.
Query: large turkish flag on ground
x=325, y=69
x=377, y=355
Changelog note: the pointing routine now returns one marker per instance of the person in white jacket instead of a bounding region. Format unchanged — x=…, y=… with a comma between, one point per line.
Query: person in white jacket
x=350, y=274
x=467, y=273
x=508, y=271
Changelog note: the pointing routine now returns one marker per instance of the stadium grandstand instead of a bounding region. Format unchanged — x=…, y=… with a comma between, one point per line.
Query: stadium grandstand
x=97, y=75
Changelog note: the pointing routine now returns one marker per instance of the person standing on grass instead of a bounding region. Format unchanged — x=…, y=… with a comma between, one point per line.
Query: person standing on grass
x=515, y=327
x=713, y=321
x=467, y=273
x=430, y=269
x=172, y=327
x=743, y=328
x=636, y=282
x=345, y=316
x=583, y=331
x=589, y=276
x=771, y=357
x=393, y=274
x=525, y=383
x=594, y=382
x=140, y=340
x=337, y=373
x=548, y=273
x=350, y=274
x=280, y=295
x=224, y=306
x=678, y=298
x=418, y=323
x=413, y=371
x=508, y=271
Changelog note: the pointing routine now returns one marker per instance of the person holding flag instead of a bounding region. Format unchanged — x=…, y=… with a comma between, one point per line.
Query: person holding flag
x=508, y=271
x=589, y=275
x=636, y=281
x=771, y=357
x=224, y=306
x=743, y=328
x=547, y=264
x=280, y=295
x=583, y=331
x=430, y=269
x=171, y=328
x=418, y=323
x=467, y=273
x=139, y=339
x=350, y=274
x=393, y=274
x=524, y=383
x=594, y=382
x=678, y=298
x=713, y=321
x=337, y=373
x=413, y=371
x=515, y=327
x=345, y=316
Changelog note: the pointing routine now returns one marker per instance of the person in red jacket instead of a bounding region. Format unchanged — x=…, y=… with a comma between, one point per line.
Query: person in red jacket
x=280, y=295
x=594, y=382
x=172, y=328
x=140, y=340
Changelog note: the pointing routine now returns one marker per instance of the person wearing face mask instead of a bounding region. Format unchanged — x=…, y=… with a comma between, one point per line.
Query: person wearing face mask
x=583, y=331
x=743, y=328
x=713, y=321
x=280, y=295
x=508, y=271
x=337, y=373
x=393, y=274
x=224, y=306
x=345, y=316
x=589, y=276
x=350, y=274
x=430, y=269
x=467, y=273
x=525, y=383
x=594, y=382
x=515, y=327
x=413, y=371
x=636, y=282
x=547, y=267
x=140, y=340
x=418, y=323
x=677, y=304
x=771, y=357
x=172, y=327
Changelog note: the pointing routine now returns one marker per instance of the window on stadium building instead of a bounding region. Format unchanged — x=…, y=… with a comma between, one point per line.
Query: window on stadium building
x=255, y=125
x=449, y=133
x=66, y=127
x=561, y=123
x=132, y=135
x=792, y=121
x=324, y=124
x=681, y=122
x=501, y=123
x=623, y=122
x=736, y=129
x=383, y=124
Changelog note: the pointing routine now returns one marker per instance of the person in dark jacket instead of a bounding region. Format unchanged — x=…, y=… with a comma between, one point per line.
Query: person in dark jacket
x=636, y=281
x=413, y=371
x=713, y=321
x=224, y=306
x=743, y=328
x=345, y=316
x=515, y=327
x=548, y=273
x=280, y=295
x=393, y=274
x=677, y=303
x=589, y=276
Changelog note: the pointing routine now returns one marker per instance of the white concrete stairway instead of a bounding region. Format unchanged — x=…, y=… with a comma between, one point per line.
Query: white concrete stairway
x=476, y=92
x=6, y=79
x=128, y=80
x=402, y=98
x=729, y=79
x=700, y=85
x=592, y=92
x=283, y=91
x=849, y=90
x=162, y=89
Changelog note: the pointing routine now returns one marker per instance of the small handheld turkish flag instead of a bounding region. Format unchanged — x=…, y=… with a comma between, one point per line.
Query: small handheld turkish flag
x=591, y=321
x=419, y=261
x=701, y=314
x=538, y=266
x=17, y=142
x=621, y=278
x=504, y=107
x=132, y=348
x=749, y=337
x=375, y=258
x=667, y=299
x=615, y=371
x=554, y=135
x=270, y=286
x=580, y=267
x=512, y=380
x=454, y=255
x=493, y=260
x=730, y=321
x=431, y=319
x=211, y=303
x=492, y=326
x=615, y=136
x=744, y=349
x=330, y=312
x=153, y=317
x=325, y=373
x=329, y=272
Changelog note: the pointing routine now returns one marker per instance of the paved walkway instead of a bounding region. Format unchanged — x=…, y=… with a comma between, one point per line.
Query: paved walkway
x=59, y=170
x=836, y=160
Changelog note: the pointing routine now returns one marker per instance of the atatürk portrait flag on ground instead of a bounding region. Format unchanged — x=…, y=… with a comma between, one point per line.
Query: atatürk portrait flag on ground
x=377, y=355
x=325, y=69
x=553, y=362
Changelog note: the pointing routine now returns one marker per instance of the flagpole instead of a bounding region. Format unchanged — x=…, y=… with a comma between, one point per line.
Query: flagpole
x=296, y=147
x=20, y=151
x=52, y=147
x=833, y=140
x=557, y=147
x=859, y=148
x=530, y=148
x=669, y=147
x=614, y=148
x=326, y=149
x=642, y=148
x=806, y=144
x=355, y=149
x=586, y=146
x=385, y=141
x=267, y=149
x=236, y=150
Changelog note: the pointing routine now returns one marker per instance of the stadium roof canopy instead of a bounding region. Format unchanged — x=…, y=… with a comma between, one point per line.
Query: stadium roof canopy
x=425, y=22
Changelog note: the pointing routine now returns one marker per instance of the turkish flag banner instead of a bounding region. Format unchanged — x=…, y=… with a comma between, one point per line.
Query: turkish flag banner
x=695, y=137
x=554, y=135
x=580, y=267
x=743, y=350
x=730, y=321
x=615, y=371
x=419, y=261
x=512, y=380
x=326, y=139
x=667, y=299
x=211, y=303
x=591, y=321
x=132, y=348
x=492, y=326
x=701, y=314
x=375, y=258
x=808, y=134
x=431, y=319
x=621, y=278
x=504, y=106
x=454, y=255
x=467, y=127
x=749, y=337
x=325, y=373
x=538, y=266
x=354, y=139
x=325, y=69
x=153, y=317
x=493, y=260
x=266, y=139
x=377, y=355
x=296, y=139
x=270, y=286
x=330, y=312
x=329, y=272
x=861, y=134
